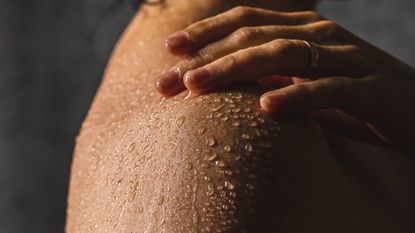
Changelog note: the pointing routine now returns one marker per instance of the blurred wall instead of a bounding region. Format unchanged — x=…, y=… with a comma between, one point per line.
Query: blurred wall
x=52, y=56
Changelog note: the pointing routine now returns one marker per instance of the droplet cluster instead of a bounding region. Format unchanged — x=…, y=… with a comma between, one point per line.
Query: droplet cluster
x=232, y=165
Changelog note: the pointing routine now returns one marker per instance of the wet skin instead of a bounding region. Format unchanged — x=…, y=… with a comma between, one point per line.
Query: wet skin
x=212, y=163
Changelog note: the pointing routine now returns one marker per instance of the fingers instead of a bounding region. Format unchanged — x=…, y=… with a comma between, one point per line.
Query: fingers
x=240, y=39
x=282, y=57
x=327, y=93
x=245, y=37
x=170, y=83
x=211, y=29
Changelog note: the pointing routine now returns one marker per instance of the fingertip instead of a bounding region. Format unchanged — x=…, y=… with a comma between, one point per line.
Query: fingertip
x=196, y=79
x=272, y=102
x=169, y=84
x=178, y=43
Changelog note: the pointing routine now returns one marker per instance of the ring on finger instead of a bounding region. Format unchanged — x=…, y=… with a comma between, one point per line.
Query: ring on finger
x=313, y=57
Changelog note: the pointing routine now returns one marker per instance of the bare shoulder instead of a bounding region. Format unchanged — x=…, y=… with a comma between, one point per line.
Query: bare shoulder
x=214, y=163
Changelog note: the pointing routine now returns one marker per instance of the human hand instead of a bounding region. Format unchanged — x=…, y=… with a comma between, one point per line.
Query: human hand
x=246, y=44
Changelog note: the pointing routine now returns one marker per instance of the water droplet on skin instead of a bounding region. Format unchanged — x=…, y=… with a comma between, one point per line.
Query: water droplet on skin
x=229, y=100
x=160, y=200
x=211, y=142
x=217, y=100
x=220, y=187
x=205, y=165
x=207, y=178
x=189, y=166
x=236, y=123
x=248, y=109
x=131, y=197
x=218, y=114
x=229, y=185
x=213, y=157
x=215, y=109
x=202, y=130
x=191, y=95
x=247, y=136
x=229, y=173
x=131, y=147
x=238, y=96
x=181, y=120
x=237, y=110
x=220, y=163
x=248, y=147
x=261, y=120
x=211, y=190
x=210, y=116
x=227, y=148
x=225, y=118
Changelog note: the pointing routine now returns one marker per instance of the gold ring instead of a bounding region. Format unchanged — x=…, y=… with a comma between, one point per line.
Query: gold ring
x=313, y=57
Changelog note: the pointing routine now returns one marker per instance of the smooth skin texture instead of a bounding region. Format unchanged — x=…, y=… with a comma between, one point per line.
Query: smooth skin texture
x=247, y=43
x=216, y=162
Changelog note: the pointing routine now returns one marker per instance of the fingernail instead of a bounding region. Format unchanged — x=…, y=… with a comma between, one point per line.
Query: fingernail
x=271, y=101
x=168, y=79
x=177, y=40
x=197, y=77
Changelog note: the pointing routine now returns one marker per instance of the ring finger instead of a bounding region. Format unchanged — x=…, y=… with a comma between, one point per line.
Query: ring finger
x=283, y=57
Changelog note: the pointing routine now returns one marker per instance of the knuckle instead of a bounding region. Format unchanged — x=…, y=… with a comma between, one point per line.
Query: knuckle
x=283, y=47
x=327, y=30
x=304, y=89
x=231, y=61
x=328, y=24
x=246, y=34
x=313, y=16
x=243, y=13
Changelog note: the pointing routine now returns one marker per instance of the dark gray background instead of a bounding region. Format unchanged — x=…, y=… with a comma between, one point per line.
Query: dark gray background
x=52, y=55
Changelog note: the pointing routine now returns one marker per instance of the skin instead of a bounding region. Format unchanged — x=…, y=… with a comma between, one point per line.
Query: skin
x=211, y=163
x=351, y=75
